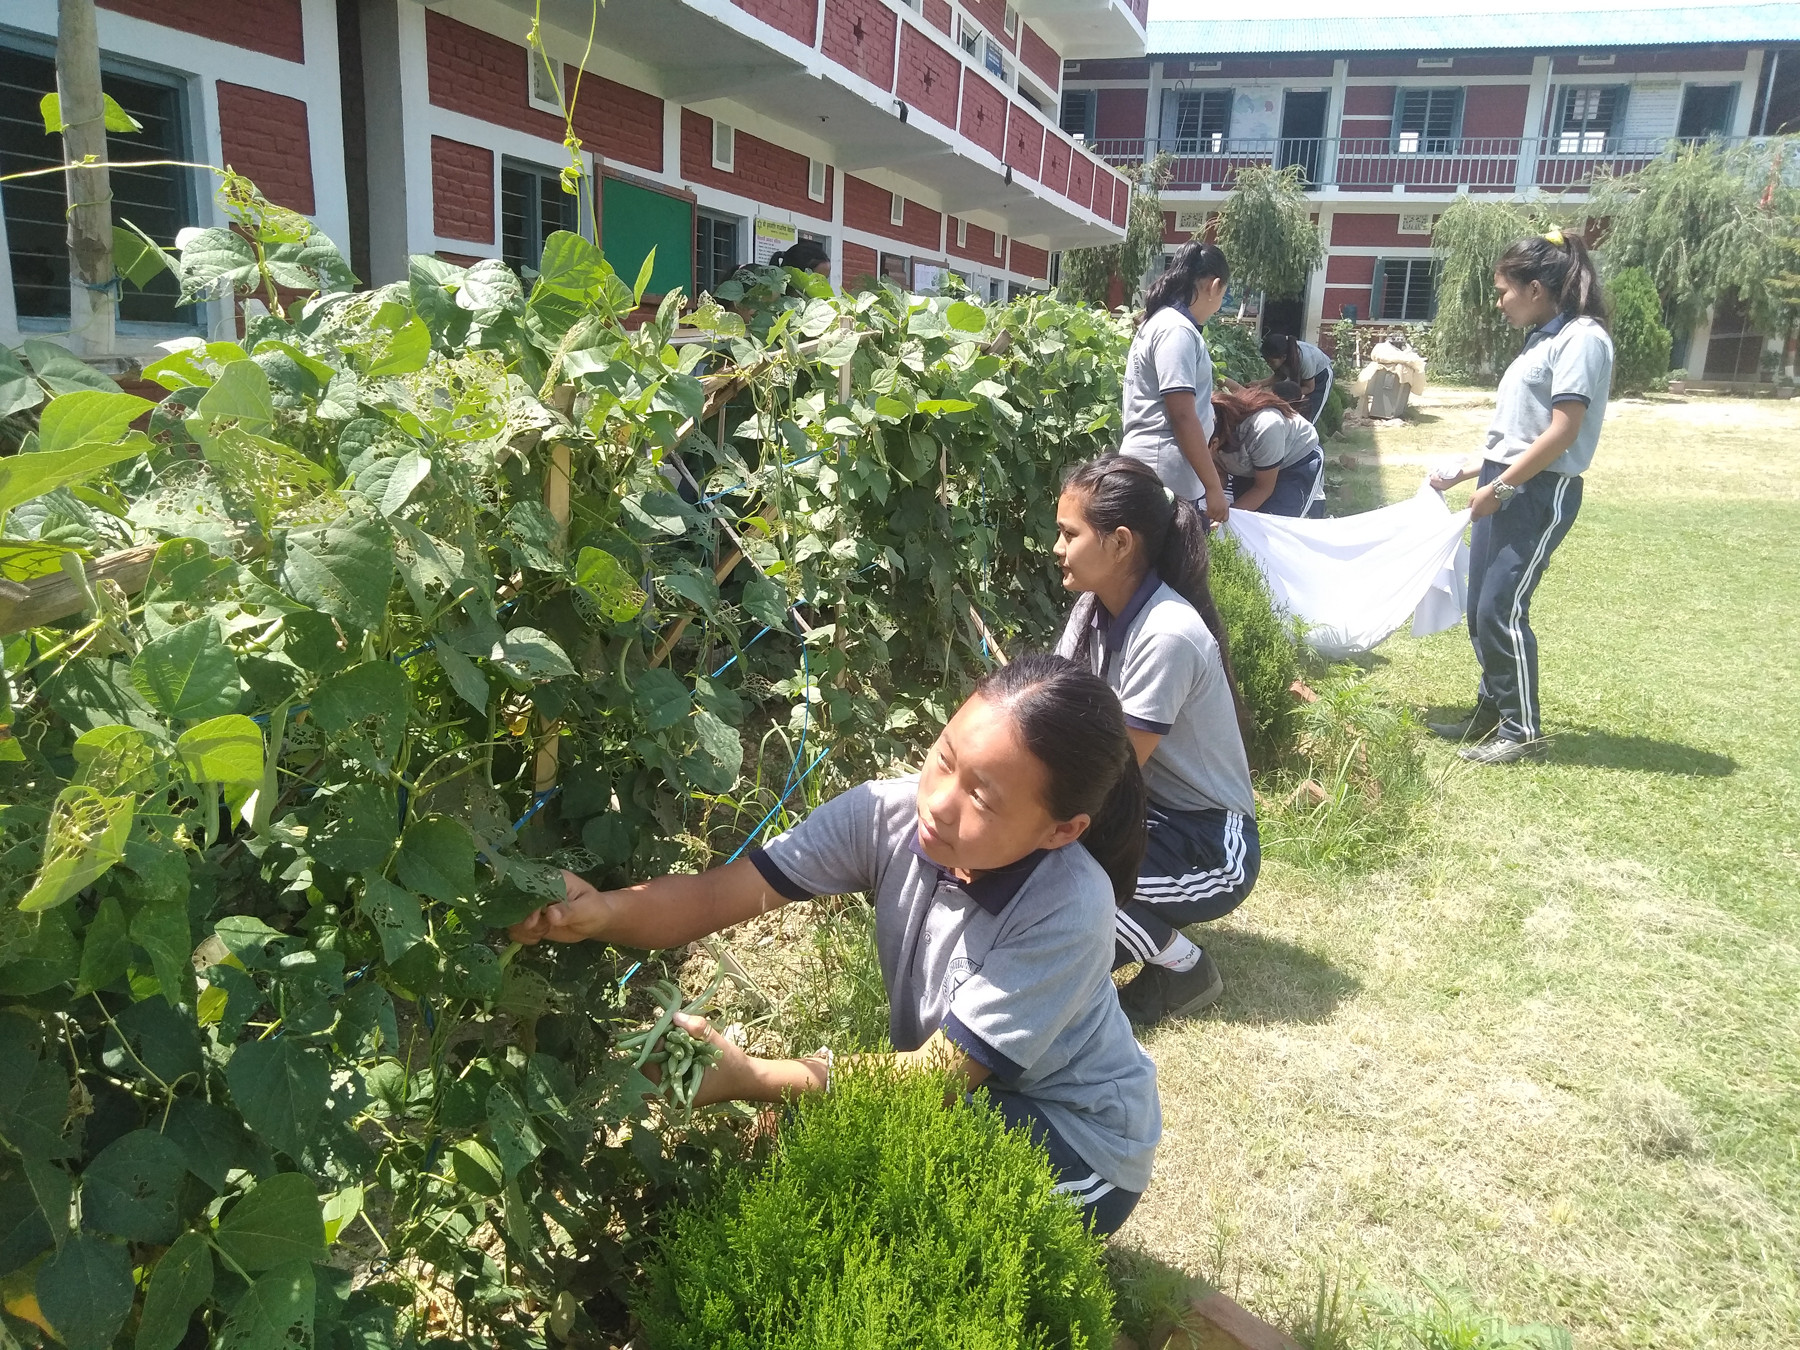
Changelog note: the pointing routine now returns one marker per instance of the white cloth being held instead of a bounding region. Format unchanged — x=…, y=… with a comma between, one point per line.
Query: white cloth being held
x=1353, y=580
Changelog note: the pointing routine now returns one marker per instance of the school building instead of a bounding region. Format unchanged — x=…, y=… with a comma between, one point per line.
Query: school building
x=1391, y=119
x=910, y=137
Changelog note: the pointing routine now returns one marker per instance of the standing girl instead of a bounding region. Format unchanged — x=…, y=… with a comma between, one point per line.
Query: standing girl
x=1147, y=625
x=1547, y=420
x=994, y=875
x=1169, y=382
x=1270, y=454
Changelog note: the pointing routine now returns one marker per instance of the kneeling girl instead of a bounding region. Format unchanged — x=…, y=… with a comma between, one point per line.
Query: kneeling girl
x=994, y=874
x=1146, y=624
x=1270, y=454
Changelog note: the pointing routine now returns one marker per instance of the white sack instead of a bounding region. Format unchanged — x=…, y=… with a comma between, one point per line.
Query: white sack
x=1353, y=580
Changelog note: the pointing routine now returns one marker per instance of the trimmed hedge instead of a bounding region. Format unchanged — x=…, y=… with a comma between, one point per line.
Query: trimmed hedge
x=1264, y=656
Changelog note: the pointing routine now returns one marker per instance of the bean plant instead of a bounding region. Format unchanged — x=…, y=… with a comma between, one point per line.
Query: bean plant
x=389, y=607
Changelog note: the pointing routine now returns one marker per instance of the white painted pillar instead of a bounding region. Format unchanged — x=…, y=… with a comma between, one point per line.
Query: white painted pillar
x=1535, y=102
x=1314, y=322
x=1743, y=118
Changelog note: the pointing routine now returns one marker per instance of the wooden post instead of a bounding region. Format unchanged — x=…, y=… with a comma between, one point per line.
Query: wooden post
x=93, y=301
x=558, y=471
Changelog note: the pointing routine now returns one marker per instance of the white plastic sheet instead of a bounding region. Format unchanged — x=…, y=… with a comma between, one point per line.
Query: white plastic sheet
x=1353, y=580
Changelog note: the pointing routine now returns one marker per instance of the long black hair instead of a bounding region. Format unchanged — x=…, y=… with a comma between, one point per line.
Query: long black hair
x=1285, y=348
x=805, y=254
x=1121, y=493
x=1193, y=263
x=1072, y=724
x=1560, y=263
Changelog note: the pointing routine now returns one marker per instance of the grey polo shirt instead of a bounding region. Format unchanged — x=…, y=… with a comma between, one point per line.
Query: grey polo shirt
x=1168, y=356
x=1015, y=966
x=1567, y=360
x=1313, y=361
x=1160, y=658
x=1270, y=439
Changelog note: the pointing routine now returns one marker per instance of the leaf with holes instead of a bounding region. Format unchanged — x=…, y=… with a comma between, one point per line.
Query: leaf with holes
x=278, y=1222
x=359, y=832
x=364, y=709
x=23, y=477
x=280, y=1088
x=275, y=1313
x=661, y=699
x=437, y=859
x=395, y=915
x=188, y=674
x=178, y=1285
x=85, y=1291
x=132, y=1189
x=344, y=570
x=515, y=1140
x=216, y=262
x=86, y=836
x=241, y=393
x=531, y=656
x=604, y=580
x=766, y=601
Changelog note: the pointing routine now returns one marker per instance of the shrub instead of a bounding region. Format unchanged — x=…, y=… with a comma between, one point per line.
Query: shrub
x=1331, y=416
x=1235, y=352
x=1264, y=656
x=1640, y=341
x=883, y=1218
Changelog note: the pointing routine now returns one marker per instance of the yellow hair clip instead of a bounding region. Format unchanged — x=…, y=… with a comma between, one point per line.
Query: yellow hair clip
x=1554, y=235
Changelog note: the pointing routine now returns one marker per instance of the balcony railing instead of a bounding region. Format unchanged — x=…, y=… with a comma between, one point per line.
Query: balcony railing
x=1407, y=161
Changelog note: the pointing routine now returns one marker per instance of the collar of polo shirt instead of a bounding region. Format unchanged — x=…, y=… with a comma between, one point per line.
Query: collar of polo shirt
x=1111, y=627
x=1552, y=328
x=994, y=890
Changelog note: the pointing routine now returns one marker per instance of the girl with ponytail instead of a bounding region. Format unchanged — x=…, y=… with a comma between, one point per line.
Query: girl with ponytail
x=1147, y=625
x=1546, y=426
x=994, y=874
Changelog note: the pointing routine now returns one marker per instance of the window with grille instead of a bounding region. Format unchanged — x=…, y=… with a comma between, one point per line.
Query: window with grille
x=1428, y=121
x=1590, y=114
x=715, y=249
x=1405, y=288
x=1077, y=117
x=158, y=201
x=533, y=207
x=1202, y=121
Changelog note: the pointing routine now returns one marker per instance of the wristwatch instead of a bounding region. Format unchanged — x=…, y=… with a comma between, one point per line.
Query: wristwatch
x=1504, y=491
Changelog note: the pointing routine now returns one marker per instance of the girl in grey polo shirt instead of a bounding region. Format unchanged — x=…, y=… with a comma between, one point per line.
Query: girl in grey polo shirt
x=1269, y=453
x=1546, y=426
x=1146, y=624
x=994, y=875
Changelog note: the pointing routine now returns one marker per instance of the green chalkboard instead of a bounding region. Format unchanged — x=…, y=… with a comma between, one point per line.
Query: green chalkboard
x=634, y=220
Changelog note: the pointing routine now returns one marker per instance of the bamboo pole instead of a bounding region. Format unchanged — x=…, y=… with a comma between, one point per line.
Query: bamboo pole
x=93, y=294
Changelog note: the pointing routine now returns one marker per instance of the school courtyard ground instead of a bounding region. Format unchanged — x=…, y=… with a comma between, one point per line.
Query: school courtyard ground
x=1553, y=1056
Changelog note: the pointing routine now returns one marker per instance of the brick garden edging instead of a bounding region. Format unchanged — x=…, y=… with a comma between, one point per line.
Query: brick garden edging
x=1215, y=1322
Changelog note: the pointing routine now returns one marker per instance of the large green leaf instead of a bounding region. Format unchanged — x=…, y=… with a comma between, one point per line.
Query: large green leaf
x=18, y=391
x=137, y=258
x=408, y=349
x=437, y=858
x=275, y=1313
x=75, y=419
x=366, y=708
x=661, y=699
x=188, y=674
x=344, y=570
x=85, y=1291
x=85, y=838
x=720, y=754
x=226, y=750
x=470, y=684
x=23, y=477
x=161, y=928
x=395, y=915
x=132, y=1189
x=61, y=371
x=105, y=948
x=240, y=392
x=359, y=833
x=529, y=655
x=196, y=365
x=606, y=582
x=515, y=1139
x=570, y=263
x=178, y=1285
x=215, y=262
x=278, y=1222
x=280, y=1087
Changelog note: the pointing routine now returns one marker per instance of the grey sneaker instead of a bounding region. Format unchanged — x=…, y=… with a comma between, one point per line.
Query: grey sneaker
x=1158, y=992
x=1482, y=722
x=1503, y=750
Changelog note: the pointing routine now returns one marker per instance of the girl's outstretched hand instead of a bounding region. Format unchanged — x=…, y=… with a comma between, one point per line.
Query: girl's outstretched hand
x=579, y=917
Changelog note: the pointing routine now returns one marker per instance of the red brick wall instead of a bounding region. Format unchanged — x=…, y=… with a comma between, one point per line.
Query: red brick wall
x=1377, y=230
x=1494, y=109
x=272, y=26
x=474, y=72
x=980, y=248
x=866, y=208
x=1119, y=114
x=462, y=191
x=929, y=76
x=859, y=262
x=937, y=14
x=796, y=18
x=1057, y=153
x=767, y=172
x=991, y=15
x=1368, y=111
x=1040, y=58
x=460, y=259
x=870, y=55
x=1030, y=262
x=263, y=136
x=1121, y=200
x=984, y=115
x=1081, y=180
x=1024, y=142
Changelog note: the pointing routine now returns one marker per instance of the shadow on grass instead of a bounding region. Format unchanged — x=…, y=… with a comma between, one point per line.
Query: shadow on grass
x=1269, y=980
x=1638, y=754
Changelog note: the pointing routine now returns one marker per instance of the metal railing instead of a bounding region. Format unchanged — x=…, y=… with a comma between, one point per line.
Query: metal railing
x=1407, y=161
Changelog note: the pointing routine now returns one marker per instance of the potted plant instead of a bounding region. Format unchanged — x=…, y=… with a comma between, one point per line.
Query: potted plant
x=1678, y=380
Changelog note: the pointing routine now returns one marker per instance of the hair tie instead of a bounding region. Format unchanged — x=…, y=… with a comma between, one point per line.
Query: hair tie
x=1169, y=496
x=1554, y=235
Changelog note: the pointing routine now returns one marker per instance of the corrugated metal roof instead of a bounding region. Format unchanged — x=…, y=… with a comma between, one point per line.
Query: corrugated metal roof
x=1684, y=26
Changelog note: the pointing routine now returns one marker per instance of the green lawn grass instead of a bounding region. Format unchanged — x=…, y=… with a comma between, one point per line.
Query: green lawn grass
x=1554, y=1054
